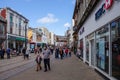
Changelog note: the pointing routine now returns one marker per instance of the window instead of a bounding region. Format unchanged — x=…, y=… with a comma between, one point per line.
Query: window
x=19, y=26
x=87, y=50
x=115, y=38
x=102, y=49
x=11, y=22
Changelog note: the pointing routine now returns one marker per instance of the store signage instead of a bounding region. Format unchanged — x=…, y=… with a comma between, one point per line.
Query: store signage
x=100, y=12
x=81, y=30
x=104, y=7
x=108, y=4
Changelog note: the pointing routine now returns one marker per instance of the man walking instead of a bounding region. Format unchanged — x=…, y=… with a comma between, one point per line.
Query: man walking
x=46, y=55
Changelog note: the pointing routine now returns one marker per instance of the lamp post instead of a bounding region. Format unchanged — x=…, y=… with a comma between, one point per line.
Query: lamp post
x=26, y=21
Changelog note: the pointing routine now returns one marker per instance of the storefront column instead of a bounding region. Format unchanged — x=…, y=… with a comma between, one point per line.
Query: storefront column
x=110, y=52
x=89, y=53
x=84, y=50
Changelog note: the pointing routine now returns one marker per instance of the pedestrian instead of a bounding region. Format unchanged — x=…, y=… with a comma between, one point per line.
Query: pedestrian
x=57, y=53
x=61, y=53
x=27, y=53
x=66, y=51
x=69, y=51
x=8, y=53
x=24, y=52
x=38, y=62
x=35, y=50
x=1, y=53
x=40, y=49
x=46, y=56
x=78, y=53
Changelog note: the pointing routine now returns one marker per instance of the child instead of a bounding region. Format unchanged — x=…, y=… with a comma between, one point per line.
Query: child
x=38, y=61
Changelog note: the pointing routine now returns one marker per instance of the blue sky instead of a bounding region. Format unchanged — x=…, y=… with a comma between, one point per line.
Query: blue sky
x=56, y=15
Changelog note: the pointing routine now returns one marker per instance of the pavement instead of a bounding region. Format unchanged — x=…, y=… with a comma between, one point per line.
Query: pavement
x=8, y=64
x=70, y=68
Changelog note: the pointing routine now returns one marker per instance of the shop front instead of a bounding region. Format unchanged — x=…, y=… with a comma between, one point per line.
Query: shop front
x=100, y=40
x=115, y=48
x=108, y=49
x=102, y=48
x=16, y=42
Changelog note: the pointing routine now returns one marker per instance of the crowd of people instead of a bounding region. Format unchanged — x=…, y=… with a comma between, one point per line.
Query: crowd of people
x=61, y=52
x=13, y=52
x=44, y=54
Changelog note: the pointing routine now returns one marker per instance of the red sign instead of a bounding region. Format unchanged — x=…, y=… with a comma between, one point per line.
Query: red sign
x=108, y=4
x=3, y=13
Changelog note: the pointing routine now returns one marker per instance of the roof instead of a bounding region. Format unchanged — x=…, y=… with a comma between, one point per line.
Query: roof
x=17, y=13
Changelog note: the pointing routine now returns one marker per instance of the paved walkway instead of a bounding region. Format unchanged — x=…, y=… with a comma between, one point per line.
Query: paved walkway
x=8, y=64
x=70, y=68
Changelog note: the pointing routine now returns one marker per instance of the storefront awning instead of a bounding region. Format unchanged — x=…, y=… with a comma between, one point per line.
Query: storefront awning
x=20, y=39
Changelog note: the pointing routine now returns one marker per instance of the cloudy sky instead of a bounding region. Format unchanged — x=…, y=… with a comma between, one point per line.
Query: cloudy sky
x=56, y=15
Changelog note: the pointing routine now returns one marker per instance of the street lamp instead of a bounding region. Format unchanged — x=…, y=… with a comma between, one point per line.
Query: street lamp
x=26, y=21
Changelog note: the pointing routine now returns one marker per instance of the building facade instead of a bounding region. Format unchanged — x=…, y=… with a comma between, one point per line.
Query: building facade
x=3, y=24
x=61, y=41
x=52, y=38
x=32, y=37
x=98, y=38
x=46, y=35
x=16, y=28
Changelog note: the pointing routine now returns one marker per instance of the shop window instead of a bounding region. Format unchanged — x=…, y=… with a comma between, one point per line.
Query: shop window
x=102, y=49
x=87, y=50
x=115, y=38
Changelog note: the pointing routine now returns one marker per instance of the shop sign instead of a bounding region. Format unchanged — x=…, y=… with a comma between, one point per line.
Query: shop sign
x=108, y=4
x=20, y=39
x=105, y=6
x=81, y=30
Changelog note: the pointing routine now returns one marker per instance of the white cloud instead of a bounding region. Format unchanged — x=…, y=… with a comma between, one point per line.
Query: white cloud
x=50, y=18
x=67, y=24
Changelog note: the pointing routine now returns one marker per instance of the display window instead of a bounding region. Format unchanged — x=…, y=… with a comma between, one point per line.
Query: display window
x=102, y=48
x=115, y=41
x=87, y=51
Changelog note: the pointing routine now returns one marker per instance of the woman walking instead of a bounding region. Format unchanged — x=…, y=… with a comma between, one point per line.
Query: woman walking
x=38, y=61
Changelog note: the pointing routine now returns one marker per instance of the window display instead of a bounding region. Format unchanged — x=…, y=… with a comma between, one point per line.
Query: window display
x=87, y=50
x=102, y=48
x=115, y=36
